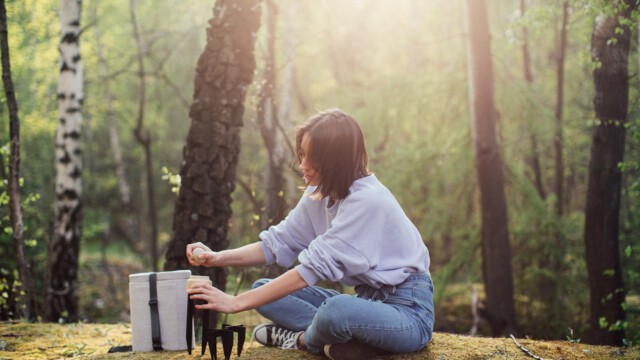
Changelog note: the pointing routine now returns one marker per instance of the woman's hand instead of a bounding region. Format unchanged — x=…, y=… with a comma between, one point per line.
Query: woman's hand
x=199, y=254
x=216, y=299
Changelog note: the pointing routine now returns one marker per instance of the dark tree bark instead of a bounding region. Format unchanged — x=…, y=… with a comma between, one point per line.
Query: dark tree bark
x=64, y=246
x=223, y=73
x=496, y=251
x=610, y=50
x=15, y=211
x=144, y=139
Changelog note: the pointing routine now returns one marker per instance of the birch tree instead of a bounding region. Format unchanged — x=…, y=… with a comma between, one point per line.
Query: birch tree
x=64, y=245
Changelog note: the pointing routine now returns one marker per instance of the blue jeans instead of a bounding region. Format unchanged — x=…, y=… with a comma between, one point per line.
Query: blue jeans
x=393, y=318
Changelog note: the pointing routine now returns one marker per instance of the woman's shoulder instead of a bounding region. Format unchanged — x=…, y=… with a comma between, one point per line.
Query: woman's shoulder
x=370, y=190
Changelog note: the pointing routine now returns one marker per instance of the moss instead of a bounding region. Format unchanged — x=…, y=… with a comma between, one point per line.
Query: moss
x=47, y=341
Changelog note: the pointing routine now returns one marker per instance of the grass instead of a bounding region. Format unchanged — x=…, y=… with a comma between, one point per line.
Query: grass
x=54, y=341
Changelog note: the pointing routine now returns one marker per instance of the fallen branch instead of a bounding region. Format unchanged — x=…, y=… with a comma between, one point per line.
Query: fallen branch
x=525, y=350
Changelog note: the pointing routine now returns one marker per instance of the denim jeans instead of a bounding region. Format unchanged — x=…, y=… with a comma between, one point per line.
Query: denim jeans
x=393, y=318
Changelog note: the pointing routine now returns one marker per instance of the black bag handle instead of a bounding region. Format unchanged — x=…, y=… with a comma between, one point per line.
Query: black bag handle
x=155, y=316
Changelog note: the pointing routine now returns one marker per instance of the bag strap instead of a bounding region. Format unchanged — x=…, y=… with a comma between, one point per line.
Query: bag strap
x=155, y=316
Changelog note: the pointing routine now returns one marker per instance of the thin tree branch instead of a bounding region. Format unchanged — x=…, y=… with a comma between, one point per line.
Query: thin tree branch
x=525, y=350
x=256, y=204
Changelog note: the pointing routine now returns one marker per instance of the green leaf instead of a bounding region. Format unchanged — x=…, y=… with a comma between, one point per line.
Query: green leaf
x=609, y=272
x=603, y=323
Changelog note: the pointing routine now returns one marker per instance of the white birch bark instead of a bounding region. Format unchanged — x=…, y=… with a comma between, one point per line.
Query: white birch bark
x=70, y=95
x=64, y=245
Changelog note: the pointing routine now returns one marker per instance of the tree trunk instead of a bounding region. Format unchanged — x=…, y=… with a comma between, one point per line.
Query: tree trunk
x=558, y=138
x=610, y=49
x=496, y=252
x=286, y=101
x=549, y=290
x=15, y=211
x=144, y=138
x=268, y=122
x=64, y=246
x=267, y=119
x=123, y=221
x=224, y=71
x=534, y=157
x=114, y=138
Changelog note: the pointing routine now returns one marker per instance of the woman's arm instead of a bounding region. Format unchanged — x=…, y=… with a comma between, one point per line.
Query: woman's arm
x=283, y=285
x=247, y=255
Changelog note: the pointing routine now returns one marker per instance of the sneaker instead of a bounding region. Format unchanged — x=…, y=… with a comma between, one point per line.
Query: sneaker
x=275, y=335
x=352, y=350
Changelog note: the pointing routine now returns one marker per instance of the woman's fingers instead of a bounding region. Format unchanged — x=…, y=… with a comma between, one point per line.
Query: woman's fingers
x=215, y=299
x=191, y=257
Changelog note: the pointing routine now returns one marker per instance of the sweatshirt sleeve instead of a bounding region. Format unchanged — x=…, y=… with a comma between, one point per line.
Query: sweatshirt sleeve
x=283, y=242
x=352, y=245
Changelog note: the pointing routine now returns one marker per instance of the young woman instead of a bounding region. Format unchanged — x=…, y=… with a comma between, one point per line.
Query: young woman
x=346, y=227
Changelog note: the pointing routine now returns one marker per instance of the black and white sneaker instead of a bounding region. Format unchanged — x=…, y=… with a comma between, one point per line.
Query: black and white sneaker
x=275, y=335
x=353, y=350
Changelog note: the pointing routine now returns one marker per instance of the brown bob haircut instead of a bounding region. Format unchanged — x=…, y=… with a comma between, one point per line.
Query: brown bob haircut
x=336, y=151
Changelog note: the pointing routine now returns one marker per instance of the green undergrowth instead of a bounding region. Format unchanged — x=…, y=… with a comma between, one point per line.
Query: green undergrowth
x=92, y=341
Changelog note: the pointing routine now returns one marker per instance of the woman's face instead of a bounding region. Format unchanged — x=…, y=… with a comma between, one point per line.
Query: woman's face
x=311, y=176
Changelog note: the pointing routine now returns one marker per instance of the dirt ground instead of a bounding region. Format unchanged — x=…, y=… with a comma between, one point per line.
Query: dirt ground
x=55, y=341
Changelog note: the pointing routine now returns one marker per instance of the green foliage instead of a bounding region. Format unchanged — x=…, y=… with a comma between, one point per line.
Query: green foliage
x=173, y=179
x=9, y=279
x=400, y=69
x=630, y=228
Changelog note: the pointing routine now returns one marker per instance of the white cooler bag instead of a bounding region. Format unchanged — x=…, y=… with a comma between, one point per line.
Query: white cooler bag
x=171, y=304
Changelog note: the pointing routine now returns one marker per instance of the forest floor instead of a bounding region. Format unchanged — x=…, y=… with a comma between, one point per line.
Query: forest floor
x=86, y=340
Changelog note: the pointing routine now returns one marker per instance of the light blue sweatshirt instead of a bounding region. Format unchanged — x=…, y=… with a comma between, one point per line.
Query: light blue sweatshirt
x=365, y=238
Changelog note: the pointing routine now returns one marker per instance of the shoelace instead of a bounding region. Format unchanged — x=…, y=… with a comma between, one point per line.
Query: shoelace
x=288, y=338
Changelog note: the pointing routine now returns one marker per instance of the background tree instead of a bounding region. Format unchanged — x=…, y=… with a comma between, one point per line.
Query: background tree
x=551, y=294
x=610, y=45
x=224, y=71
x=23, y=289
x=126, y=220
x=64, y=246
x=496, y=251
x=144, y=138
x=272, y=135
x=533, y=160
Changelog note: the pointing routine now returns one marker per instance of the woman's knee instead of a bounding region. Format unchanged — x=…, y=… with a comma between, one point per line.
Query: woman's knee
x=259, y=283
x=333, y=312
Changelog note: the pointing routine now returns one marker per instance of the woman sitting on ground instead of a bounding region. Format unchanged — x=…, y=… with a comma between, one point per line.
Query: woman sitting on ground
x=346, y=227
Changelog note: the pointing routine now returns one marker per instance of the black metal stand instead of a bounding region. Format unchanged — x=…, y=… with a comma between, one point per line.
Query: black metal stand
x=210, y=336
x=242, y=332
